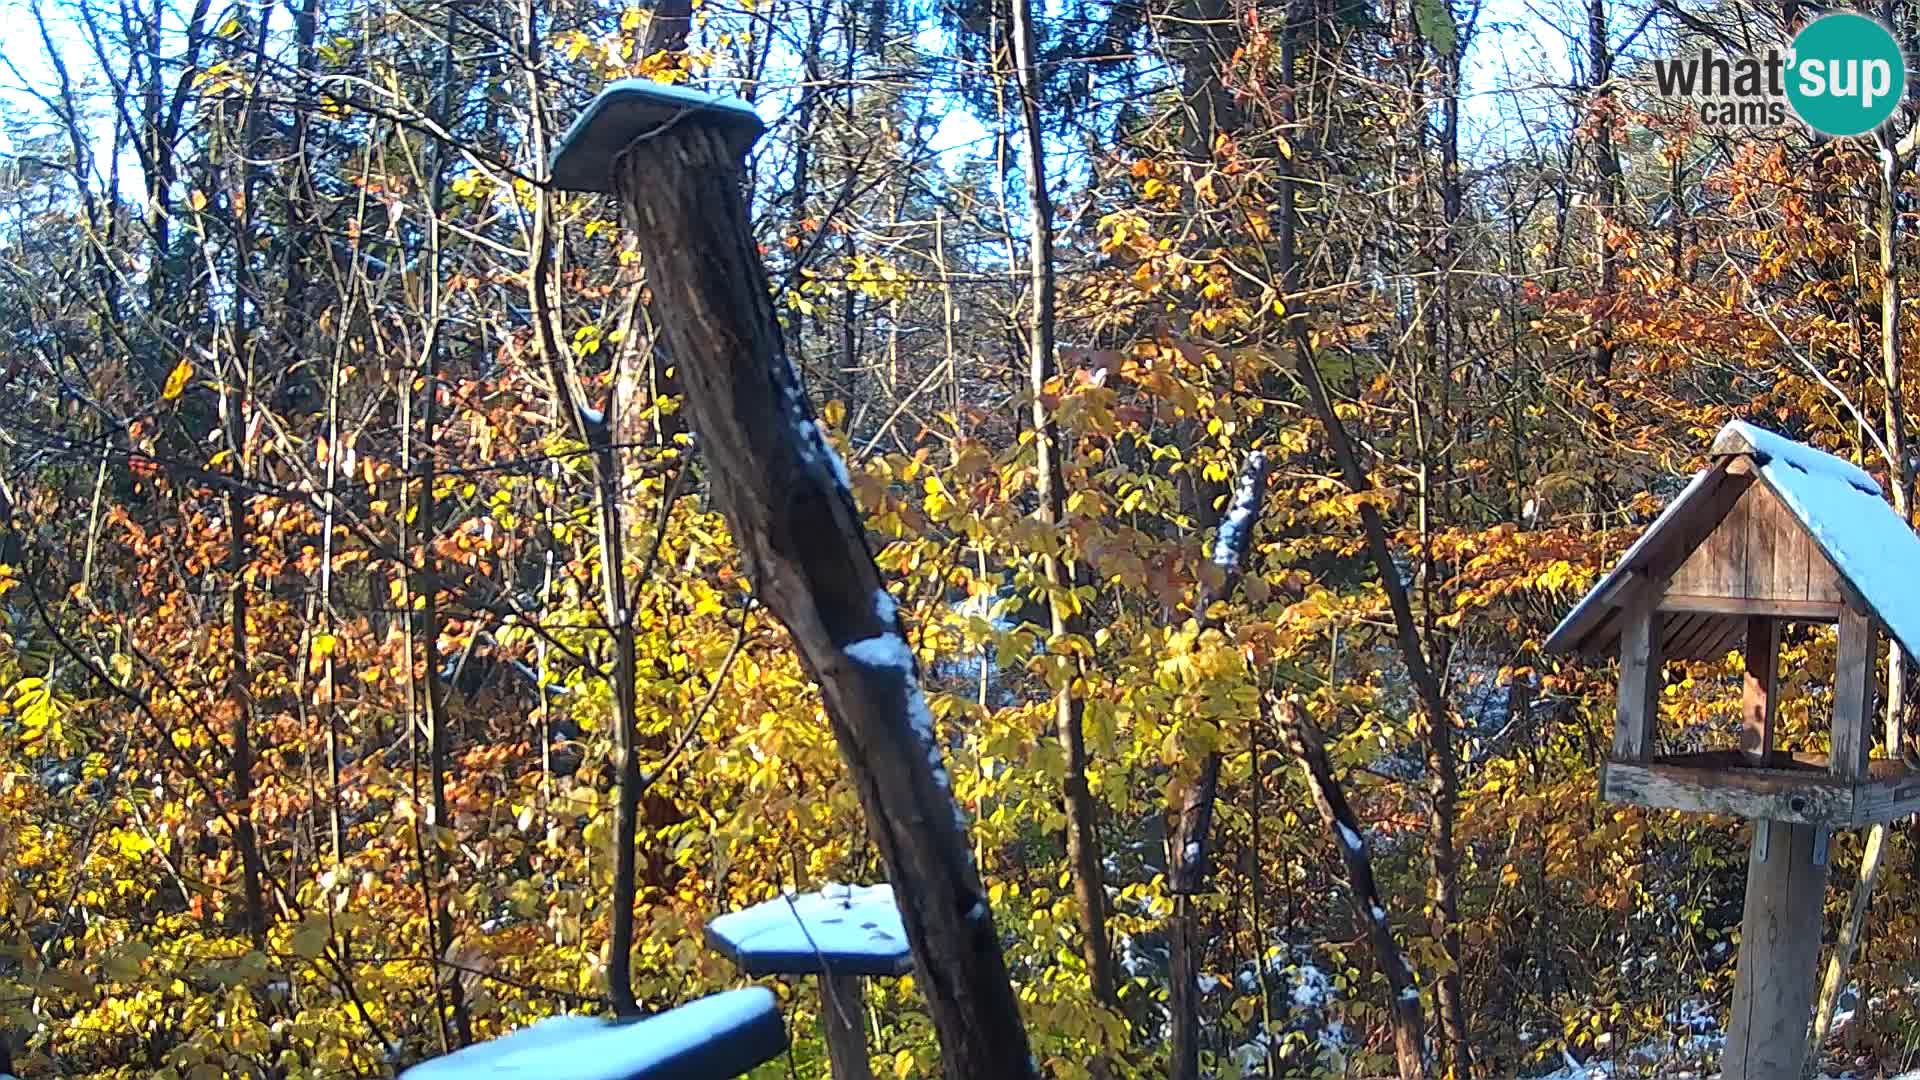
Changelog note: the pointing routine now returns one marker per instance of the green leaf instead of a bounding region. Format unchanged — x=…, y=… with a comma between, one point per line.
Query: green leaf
x=1435, y=20
x=310, y=940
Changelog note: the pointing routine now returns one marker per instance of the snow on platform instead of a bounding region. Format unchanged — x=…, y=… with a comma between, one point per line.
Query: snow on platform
x=840, y=930
x=713, y=1038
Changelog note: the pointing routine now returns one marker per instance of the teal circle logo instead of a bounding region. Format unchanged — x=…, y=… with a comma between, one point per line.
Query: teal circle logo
x=1845, y=74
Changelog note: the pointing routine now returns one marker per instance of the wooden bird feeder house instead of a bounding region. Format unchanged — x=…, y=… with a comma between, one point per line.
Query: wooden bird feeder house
x=1772, y=532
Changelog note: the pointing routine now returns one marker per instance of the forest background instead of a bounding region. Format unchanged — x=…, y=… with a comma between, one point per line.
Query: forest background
x=307, y=742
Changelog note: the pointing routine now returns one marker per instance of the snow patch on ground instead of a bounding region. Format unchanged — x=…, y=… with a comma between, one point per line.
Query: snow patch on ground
x=1304, y=1038
x=1311, y=987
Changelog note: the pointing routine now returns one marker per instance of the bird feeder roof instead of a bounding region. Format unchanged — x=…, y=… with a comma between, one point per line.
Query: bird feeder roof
x=631, y=109
x=840, y=930
x=721, y=1035
x=1858, y=541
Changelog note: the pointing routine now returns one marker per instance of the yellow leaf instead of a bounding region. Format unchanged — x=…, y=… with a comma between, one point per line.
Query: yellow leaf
x=132, y=845
x=177, y=381
x=197, y=200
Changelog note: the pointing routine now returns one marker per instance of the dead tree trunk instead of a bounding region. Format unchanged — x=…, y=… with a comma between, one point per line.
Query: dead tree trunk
x=1303, y=738
x=1191, y=815
x=785, y=495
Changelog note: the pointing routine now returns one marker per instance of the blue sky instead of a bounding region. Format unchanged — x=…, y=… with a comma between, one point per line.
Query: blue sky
x=1515, y=60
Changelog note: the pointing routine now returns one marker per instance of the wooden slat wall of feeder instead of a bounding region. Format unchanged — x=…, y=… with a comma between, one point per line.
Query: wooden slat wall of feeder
x=1772, y=532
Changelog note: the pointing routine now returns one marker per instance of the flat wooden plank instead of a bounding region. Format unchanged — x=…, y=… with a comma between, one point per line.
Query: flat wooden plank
x=1769, y=535
x=1793, y=560
x=1674, y=633
x=1726, y=551
x=1811, y=798
x=1640, y=678
x=1759, y=695
x=1823, y=581
x=1731, y=631
x=1853, y=694
x=1825, y=610
x=1779, y=953
x=1887, y=799
x=1759, y=552
x=1693, y=530
x=1604, y=639
x=1592, y=626
x=1785, y=762
x=1699, y=643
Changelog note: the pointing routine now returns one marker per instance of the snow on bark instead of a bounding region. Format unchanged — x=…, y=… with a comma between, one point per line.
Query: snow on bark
x=889, y=652
x=1241, y=513
x=1350, y=838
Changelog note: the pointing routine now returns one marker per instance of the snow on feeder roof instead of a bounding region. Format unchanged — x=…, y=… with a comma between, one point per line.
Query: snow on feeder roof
x=720, y=1036
x=840, y=930
x=631, y=109
x=1719, y=541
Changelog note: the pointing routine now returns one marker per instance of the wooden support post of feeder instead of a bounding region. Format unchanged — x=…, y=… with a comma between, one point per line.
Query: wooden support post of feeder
x=1780, y=925
x=673, y=158
x=1759, y=693
x=1638, y=701
x=1772, y=532
x=843, y=1018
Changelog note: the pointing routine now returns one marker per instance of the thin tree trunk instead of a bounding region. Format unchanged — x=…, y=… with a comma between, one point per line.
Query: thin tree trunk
x=429, y=901
x=240, y=698
x=1443, y=781
x=619, y=615
x=1873, y=858
x=1442, y=762
x=237, y=405
x=1191, y=816
x=1607, y=179
x=1083, y=846
x=594, y=427
x=667, y=27
x=435, y=699
x=1303, y=738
